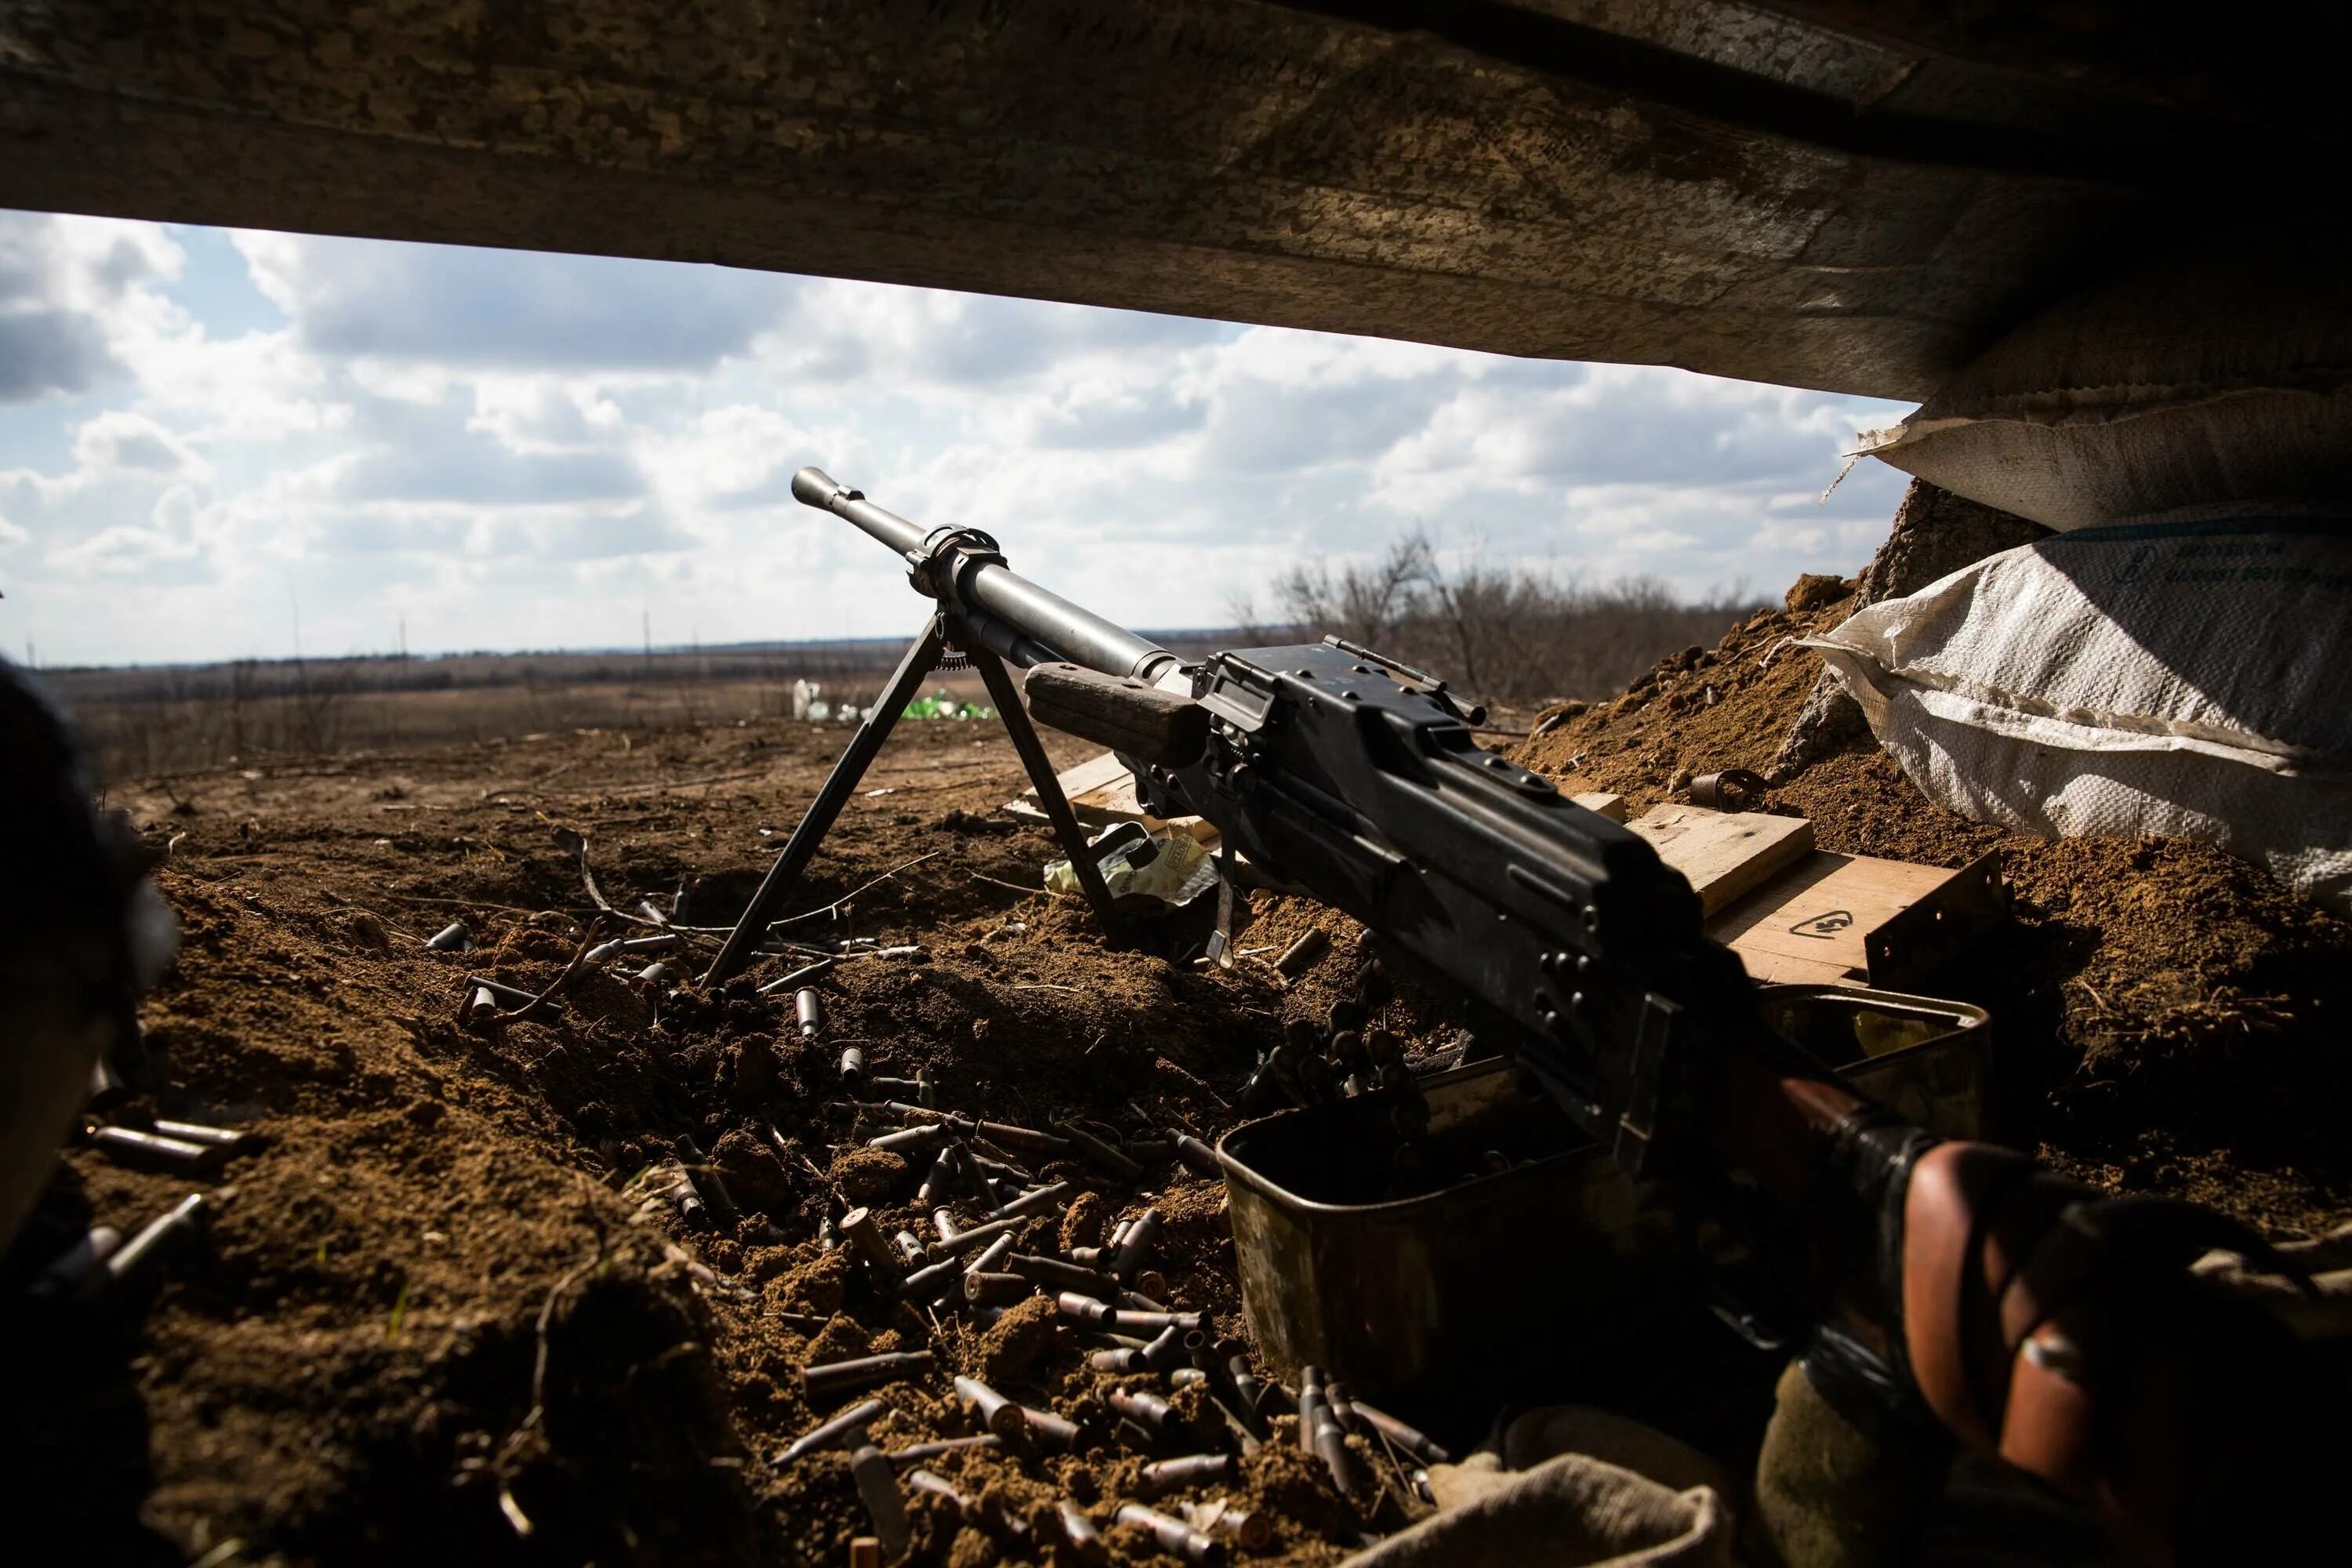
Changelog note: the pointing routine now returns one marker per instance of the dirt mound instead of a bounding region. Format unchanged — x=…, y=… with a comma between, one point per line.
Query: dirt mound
x=2168, y=1017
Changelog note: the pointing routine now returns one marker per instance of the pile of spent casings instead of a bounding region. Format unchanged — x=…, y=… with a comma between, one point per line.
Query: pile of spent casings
x=961, y=1252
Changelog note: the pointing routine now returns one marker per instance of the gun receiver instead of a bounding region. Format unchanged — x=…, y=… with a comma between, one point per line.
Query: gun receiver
x=2038, y=1320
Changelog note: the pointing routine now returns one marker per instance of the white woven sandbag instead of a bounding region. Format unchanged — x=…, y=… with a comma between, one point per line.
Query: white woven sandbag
x=2221, y=371
x=2187, y=679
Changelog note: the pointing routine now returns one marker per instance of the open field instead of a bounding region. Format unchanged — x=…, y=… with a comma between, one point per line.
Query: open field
x=438, y=1298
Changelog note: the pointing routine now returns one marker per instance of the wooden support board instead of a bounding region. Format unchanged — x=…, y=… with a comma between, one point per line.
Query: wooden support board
x=1724, y=853
x=1101, y=791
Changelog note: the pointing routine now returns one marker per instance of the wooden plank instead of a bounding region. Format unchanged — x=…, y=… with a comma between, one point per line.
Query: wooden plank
x=1612, y=807
x=1101, y=791
x=1822, y=910
x=1724, y=853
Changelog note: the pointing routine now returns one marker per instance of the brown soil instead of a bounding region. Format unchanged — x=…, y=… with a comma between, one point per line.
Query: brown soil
x=2167, y=1017
x=434, y=1312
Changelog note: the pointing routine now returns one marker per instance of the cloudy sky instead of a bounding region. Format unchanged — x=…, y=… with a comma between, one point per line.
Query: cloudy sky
x=211, y=438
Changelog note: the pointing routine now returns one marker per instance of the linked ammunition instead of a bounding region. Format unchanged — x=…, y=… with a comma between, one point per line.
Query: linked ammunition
x=1174, y=1535
x=76, y=1270
x=998, y=1414
x=1053, y=1274
x=1032, y=1201
x=915, y=1454
x=828, y=1432
x=1049, y=1430
x=1164, y=1476
x=1080, y=1533
x=995, y=1287
x=1195, y=1154
x=164, y=1238
x=198, y=1133
x=1136, y=1244
x=1419, y=1444
x=835, y=1379
x=148, y=1151
x=808, y=1003
x=877, y=1484
x=1117, y=1161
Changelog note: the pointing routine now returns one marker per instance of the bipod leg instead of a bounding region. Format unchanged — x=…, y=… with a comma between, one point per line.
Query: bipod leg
x=921, y=658
x=1049, y=788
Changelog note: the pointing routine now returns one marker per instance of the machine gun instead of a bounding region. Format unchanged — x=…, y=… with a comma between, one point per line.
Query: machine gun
x=2035, y=1319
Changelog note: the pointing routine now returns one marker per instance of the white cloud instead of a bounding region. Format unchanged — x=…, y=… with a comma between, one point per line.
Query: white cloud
x=512, y=449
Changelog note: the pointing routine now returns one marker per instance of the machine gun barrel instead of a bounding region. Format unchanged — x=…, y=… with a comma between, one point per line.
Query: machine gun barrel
x=1014, y=617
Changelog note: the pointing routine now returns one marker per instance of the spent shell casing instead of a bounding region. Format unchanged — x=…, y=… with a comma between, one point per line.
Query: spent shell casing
x=938, y=1182
x=865, y=1552
x=1166, y=1349
x=1085, y=1308
x=1026, y=1138
x=451, y=937
x=808, y=1005
x=1145, y=1409
x=707, y=1181
x=1118, y=1360
x=1089, y=1257
x=1195, y=1154
x=992, y=1289
x=1055, y=1275
x=864, y=1234
x=1301, y=955
x=993, y=1411
x=201, y=1133
x=878, y=1488
x=935, y=1281
x=927, y=1092
x=77, y=1269
x=910, y=1249
x=1136, y=1244
x=153, y=1152
x=835, y=1379
x=830, y=1433
x=909, y=1139
x=917, y=1453
x=943, y=1221
x=881, y=1085
x=1033, y=1202
x=1347, y=1013
x=1335, y=1394
x=1248, y=1528
x=990, y=1165
x=1186, y=1377
x=1080, y=1533
x=170, y=1234
x=1164, y=1476
x=990, y=1259
x=1116, y=1161
x=1263, y=1092
x=1151, y=1150
x=1048, y=1431
x=606, y=950
x=1173, y=1534
x=973, y=1238
x=1331, y=1444
x=1309, y=1405
x=924, y=1482
x=1252, y=1393
x=1413, y=1441
x=661, y=972
x=853, y=1065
